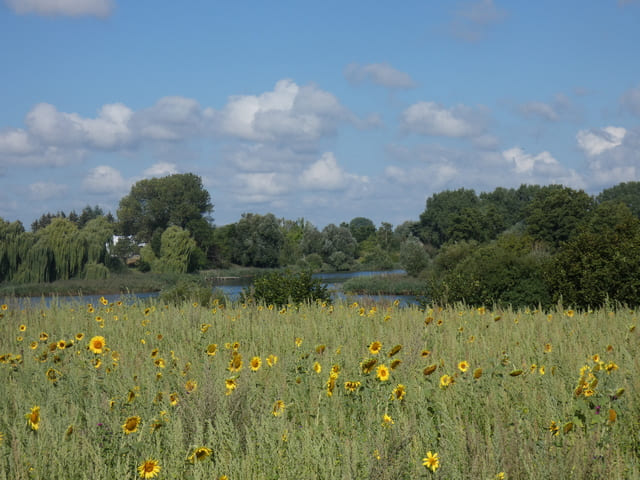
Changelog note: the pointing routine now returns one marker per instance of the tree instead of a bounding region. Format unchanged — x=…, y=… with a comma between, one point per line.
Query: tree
x=257, y=241
x=413, y=256
x=625, y=192
x=338, y=247
x=157, y=203
x=361, y=228
x=556, y=212
x=281, y=288
x=600, y=263
x=176, y=251
x=13, y=248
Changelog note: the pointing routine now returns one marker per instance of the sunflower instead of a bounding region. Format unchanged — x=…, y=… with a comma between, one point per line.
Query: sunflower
x=4, y=306
x=375, y=347
x=477, y=373
x=159, y=362
x=317, y=367
x=22, y=328
x=191, y=386
x=298, y=341
x=230, y=384
x=278, y=408
x=331, y=384
x=79, y=336
x=394, y=350
x=103, y=301
x=33, y=417
x=446, y=380
x=367, y=366
x=174, y=399
x=212, y=349
x=53, y=375
x=463, y=366
x=149, y=469
x=44, y=336
x=255, y=363
x=548, y=348
x=131, y=425
x=431, y=461
x=272, y=360
x=97, y=344
x=387, y=421
x=395, y=364
x=399, y=392
x=320, y=349
x=351, y=386
x=382, y=372
x=200, y=454
x=235, y=365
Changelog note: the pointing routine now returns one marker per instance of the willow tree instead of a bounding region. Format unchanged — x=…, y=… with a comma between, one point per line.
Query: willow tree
x=58, y=253
x=176, y=251
x=13, y=248
x=98, y=235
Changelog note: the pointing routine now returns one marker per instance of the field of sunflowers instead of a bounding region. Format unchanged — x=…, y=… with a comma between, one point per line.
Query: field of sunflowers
x=350, y=391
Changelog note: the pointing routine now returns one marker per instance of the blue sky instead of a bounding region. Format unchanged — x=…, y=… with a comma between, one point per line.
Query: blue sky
x=322, y=110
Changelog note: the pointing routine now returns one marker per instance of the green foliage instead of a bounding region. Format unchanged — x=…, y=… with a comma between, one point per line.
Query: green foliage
x=507, y=272
x=13, y=248
x=282, y=288
x=413, y=256
x=95, y=271
x=339, y=248
x=176, y=251
x=156, y=203
x=189, y=290
x=361, y=228
x=97, y=234
x=625, y=192
x=602, y=262
x=257, y=241
x=556, y=212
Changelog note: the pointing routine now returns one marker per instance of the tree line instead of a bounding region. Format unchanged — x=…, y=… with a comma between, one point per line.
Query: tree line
x=527, y=246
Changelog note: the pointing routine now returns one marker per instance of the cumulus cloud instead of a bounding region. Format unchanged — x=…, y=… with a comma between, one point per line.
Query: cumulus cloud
x=430, y=118
x=381, y=74
x=170, y=119
x=73, y=8
x=16, y=141
x=288, y=113
x=47, y=190
x=559, y=108
x=326, y=174
x=161, y=169
x=105, y=180
x=594, y=142
x=473, y=19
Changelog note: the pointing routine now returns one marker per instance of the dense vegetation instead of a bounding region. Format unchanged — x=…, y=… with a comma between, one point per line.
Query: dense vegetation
x=530, y=246
x=342, y=391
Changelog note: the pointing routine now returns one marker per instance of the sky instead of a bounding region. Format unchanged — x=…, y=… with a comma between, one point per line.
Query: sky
x=325, y=111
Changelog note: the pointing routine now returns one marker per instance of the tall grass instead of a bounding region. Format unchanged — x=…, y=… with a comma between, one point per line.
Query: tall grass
x=497, y=422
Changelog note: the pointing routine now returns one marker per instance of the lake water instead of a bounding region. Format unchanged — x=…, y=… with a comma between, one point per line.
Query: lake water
x=233, y=287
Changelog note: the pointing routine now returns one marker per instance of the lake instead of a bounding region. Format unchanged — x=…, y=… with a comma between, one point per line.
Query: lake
x=233, y=287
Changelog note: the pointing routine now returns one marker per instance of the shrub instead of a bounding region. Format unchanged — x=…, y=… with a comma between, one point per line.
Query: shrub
x=281, y=288
x=189, y=290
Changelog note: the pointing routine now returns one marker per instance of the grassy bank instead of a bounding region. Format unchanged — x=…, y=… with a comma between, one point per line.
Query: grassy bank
x=386, y=284
x=320, y=392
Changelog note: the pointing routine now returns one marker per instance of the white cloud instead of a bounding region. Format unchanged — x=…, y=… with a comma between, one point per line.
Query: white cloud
x=381, y=74
x=161, y=169
x=527, y=163
x=326, y=174
x=594, y=142
x=288, y=113
x=47, y=190
x=105, y=180
x=73, y=8
x=16, y=141
x=429, y=118
x=630, y=100
x=261, y=187
x=170, y=119
x=539, y=109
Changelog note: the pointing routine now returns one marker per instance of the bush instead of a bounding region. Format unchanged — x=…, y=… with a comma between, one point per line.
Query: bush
x=281, y=288
x=189, y=290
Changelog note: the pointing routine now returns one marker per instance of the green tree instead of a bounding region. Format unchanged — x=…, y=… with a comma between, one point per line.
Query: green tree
x=176, y=251
x=602, y=262
x=556, y=212
x=361, y=228
x=282, y=288
x=13, y=248
x=157, y=203
x=338, y=247
x=413, y=256
x=625, y=192
x=257, y=241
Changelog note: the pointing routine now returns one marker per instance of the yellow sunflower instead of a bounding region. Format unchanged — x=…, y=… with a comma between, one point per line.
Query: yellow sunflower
x=317, y=367
x=200, y=454
x=33, y=417
x=382, y=372
x=351, y=386
x=446, y=380
x=174, y=399
x=230, y=385
x=235, y=364
x=399, y=392
x=367, y=366
x=191, y=386
x=97, y=344
x=431, y=461
x=272, y=360
x=149, y=469
x=463, y=366
x=131, y=425
x=255, y=364
x=394, y=350
x=212, y=349
x=387, y=421
x=278, y=408
x=375, y=347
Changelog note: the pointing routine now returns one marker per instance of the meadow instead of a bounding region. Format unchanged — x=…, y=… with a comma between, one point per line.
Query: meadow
x=348, y=391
